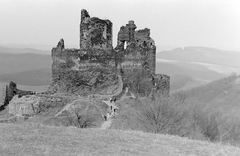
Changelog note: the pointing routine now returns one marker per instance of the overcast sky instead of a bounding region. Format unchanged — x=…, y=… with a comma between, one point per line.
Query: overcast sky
x=211, y=23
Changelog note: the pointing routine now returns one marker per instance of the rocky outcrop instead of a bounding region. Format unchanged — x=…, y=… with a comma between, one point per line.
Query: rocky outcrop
x=30, y=105
x=24, y=106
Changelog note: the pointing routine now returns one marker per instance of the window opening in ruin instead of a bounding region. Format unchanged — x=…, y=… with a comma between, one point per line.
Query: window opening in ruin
x=144, y=44
x=125, y=45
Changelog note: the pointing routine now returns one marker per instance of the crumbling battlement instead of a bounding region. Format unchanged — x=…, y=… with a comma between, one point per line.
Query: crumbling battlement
x=135, y=49
x=9, y=91
x=162, y=83
x=96, y=62
x=95, y=33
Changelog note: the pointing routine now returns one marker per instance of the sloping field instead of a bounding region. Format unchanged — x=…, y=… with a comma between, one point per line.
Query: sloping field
x=68, y=141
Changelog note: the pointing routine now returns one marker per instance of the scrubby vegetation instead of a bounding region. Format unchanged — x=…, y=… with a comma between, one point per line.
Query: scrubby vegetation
x=199, y=113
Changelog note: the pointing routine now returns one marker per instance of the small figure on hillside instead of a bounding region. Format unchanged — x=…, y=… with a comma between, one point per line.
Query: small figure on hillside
x=113, y=99
x=108, y=115
x=105, y=117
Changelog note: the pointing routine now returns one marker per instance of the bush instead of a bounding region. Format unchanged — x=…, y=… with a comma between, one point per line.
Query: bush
x=85, y=121
x=179, y=115
x=164, y=115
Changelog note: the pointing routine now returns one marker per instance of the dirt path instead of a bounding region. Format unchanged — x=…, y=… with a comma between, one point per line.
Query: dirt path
x=124, y=96
x=106, y=124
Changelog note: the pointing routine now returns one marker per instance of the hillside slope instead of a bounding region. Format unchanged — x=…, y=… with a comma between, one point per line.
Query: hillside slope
x=223, y=95
x=45, y=140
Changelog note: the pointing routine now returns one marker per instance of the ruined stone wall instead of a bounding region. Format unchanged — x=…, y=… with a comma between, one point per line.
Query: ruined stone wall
x=83, y=71
x=162, y=83
x=63, y=61
x=95, y=53
x=95, y=33
x=147, y=45
x=75, y=70
x=96, y=64
x=135, y=49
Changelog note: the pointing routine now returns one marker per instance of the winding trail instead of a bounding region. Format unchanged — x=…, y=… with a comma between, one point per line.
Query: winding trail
x=106, y=124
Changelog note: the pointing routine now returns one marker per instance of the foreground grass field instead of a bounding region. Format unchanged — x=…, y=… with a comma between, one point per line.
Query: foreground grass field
x=25, y=140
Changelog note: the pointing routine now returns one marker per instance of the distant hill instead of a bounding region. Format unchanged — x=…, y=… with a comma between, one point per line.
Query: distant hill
x=37, y=77
x=11, y=63
x=165, y=48
x=23, y=50
x=202, y=64
x=203, y=55
x=194, y=71
x=221, y=61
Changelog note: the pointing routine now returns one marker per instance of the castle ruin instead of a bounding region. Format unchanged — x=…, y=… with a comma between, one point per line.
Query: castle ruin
x=96, y=66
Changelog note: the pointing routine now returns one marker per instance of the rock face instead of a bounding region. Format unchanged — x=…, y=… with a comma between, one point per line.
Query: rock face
x=96, y=66
x=29, y=105
x=9, y=91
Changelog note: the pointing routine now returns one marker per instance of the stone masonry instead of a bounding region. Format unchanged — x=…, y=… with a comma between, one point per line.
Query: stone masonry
x=96, y=65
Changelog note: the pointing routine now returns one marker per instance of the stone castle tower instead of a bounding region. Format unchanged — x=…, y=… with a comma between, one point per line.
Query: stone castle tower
x=135, y=50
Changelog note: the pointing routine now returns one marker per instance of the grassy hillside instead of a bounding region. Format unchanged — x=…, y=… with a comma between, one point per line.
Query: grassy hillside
x=178, y=81
x=45, y=140
x=222, y=95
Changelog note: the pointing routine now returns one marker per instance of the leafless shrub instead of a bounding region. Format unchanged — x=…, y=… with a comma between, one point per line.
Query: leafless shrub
x=163, y=115
x=84, y=120
x=229, y=131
